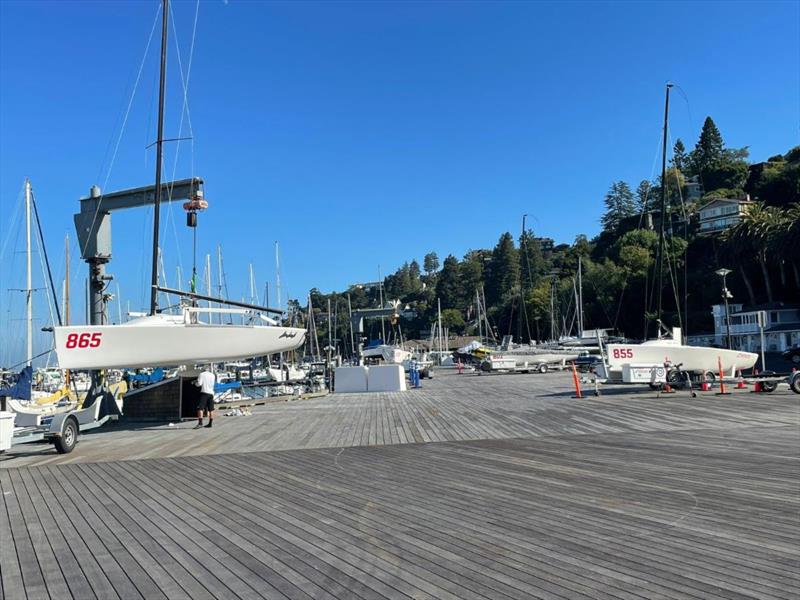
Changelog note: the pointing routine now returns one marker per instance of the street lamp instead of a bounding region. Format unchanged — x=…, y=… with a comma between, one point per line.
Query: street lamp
x=725, y=296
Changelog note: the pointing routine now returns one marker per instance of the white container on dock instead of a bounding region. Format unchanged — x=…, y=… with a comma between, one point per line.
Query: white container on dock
x=386, y=378
x=6, y=429
x=350, y=379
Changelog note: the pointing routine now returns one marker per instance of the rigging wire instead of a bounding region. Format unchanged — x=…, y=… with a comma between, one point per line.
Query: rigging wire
x=124, y=124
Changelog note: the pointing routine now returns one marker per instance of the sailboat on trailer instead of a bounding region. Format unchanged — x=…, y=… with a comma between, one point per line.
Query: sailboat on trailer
x=161, y=339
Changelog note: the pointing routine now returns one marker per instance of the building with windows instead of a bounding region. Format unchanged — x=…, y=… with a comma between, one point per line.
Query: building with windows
x=694, y=188
x=721, y=213
x=781, y=327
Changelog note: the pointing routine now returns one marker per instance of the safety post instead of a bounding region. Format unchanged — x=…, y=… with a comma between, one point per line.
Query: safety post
x=721, y=391
x=704, y=387
x=757, y=385
x=740, y=385
x=576, y=381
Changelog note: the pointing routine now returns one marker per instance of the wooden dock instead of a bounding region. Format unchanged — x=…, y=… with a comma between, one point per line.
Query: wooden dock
x=524, y=493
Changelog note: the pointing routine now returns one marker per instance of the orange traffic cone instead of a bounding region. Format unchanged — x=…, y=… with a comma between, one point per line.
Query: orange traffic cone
x=740, y=385
x=757, y=384
x=704, y=387
x=667, y=388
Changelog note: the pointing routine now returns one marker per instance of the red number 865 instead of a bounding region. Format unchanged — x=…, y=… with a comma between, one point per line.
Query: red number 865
x=84, y=340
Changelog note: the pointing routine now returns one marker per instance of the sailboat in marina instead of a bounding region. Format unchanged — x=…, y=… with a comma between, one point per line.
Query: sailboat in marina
x=652, y=361
x=161, y=339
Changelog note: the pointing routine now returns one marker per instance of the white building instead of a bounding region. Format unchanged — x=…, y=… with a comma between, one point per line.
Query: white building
x=781, y=330
x=722, y=213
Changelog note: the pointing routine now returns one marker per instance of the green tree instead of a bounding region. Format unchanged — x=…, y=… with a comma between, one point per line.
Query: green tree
x=503, y=270
x=453, y=320
x=531, y=261
x=679, y=156
x=448, y=284
x=708, y=150
x=471, y=275
x=717, y=166
x=431, y=263
x=619, y=205
x=644, y=196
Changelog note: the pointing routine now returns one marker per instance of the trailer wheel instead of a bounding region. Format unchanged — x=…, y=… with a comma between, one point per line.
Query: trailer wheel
x=769, y=386
x=794, y=383
x=542, y=368
x=65, y=443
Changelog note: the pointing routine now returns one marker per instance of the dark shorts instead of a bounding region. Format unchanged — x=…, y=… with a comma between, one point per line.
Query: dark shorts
x=206, y=402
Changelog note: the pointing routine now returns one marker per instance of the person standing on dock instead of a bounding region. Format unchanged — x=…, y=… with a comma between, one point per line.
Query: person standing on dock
x=205, y=381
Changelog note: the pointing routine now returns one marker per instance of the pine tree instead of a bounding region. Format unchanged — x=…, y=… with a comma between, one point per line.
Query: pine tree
x=414, y=276
x=448, y=283
x=644, y=196
x=709, y=149
x=679, y=157
x=431, y=263
x=619, y=205
x=531, y=261
x=503, y=271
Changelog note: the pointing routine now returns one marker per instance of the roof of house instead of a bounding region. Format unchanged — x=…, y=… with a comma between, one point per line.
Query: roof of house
x=725, y=201
x=767, y=306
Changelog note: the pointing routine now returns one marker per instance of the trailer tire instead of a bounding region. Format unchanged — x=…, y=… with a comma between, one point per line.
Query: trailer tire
x=542, y=368
x=65, y=443
x=794, y=383
x=769, y=386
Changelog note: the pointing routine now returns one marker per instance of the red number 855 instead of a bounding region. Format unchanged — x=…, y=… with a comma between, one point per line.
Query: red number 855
x=84, y=340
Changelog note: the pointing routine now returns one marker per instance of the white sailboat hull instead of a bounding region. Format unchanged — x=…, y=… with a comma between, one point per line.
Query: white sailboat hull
x=692, y=358
x=163, y=340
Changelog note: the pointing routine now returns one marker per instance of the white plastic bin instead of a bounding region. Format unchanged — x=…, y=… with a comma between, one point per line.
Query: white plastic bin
x=350, y=379
x=6, y=429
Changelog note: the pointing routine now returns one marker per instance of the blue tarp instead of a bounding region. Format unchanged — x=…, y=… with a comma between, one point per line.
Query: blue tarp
x=22, y=388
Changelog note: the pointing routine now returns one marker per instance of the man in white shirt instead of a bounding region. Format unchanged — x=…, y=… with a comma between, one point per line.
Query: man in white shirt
x=205, y=381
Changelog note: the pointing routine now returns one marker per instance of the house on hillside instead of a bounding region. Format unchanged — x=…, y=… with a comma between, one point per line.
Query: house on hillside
x=694, y=189
x=721, y=213
x=781, y=328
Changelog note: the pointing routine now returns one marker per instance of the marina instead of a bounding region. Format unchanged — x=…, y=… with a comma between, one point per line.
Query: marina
x=609, y=413
x=473, y=486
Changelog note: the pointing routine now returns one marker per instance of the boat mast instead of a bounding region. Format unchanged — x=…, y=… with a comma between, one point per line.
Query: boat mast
x=29, y=281
x=66, y=280
x=660, y=284
x=159, y=152
x=278, y=274
x=580, y=299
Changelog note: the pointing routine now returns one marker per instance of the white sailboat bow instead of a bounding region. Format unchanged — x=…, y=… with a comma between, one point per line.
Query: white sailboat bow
x=165, y=339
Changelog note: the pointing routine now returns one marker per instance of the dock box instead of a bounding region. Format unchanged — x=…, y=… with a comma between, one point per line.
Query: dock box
x=386, y=378
x=350, y=379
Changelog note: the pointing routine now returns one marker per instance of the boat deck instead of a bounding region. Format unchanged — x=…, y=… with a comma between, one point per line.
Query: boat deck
x=485, y=487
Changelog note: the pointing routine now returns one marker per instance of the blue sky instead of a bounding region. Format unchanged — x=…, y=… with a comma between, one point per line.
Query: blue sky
x=367, y=133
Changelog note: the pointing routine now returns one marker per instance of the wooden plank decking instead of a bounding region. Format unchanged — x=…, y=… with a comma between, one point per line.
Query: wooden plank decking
x=528, y=496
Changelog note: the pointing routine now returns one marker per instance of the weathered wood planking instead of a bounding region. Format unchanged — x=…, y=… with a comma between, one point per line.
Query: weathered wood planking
x=448, y=408
x=709, y=513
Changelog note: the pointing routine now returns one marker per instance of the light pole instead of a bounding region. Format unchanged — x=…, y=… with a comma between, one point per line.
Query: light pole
x=725, y=296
